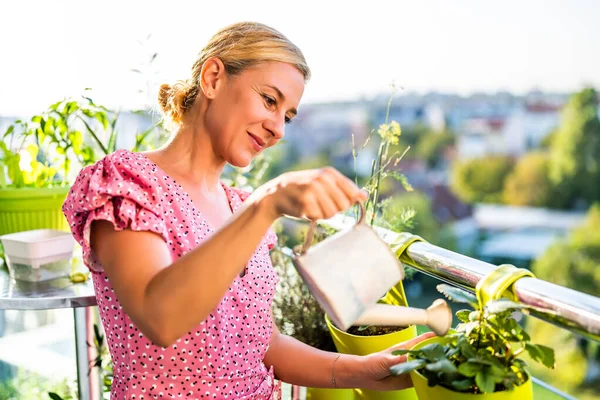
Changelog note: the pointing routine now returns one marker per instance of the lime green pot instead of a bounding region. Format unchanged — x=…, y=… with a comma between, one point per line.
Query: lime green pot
x=523, y=392
x=25, y=209
x=363, y=345
x=329, y=394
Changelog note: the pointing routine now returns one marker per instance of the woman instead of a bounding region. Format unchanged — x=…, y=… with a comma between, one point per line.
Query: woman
x=180, y=261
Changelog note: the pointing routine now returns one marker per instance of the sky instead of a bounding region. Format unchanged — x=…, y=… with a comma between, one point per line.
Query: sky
x=53, y=49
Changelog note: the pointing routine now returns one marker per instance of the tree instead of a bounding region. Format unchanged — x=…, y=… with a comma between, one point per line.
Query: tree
x=530, y=185
x=480, y=179
x=575, y=149
x=574, y=263
x=431, y=147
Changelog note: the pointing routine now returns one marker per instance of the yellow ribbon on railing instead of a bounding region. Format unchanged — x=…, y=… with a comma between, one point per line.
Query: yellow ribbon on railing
x=497, y=283
x=401, y=244
x=396, y=295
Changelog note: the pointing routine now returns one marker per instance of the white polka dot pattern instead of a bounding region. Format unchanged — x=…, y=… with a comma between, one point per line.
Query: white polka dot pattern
x=222, y=358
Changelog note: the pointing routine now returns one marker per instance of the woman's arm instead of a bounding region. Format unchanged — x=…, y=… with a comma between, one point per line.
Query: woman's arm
x=300, y=364
x=165, y=303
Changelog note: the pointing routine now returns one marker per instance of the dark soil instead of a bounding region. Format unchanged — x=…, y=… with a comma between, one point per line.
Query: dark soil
x=374, y=330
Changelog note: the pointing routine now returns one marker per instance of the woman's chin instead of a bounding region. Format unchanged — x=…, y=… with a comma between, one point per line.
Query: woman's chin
x=241, y=161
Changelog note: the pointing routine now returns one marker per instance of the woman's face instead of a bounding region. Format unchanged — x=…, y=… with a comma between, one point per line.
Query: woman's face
x=249, y=111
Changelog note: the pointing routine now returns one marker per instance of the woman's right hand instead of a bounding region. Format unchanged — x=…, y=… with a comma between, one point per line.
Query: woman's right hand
x=312, y=194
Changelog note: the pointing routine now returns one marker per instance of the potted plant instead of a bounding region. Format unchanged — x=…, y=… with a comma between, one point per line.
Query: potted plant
x=39, y=158
x=365, y=340
x=36, y=158
x=481, y=358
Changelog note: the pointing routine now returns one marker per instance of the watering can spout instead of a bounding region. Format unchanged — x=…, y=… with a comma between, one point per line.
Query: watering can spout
x=438, y=316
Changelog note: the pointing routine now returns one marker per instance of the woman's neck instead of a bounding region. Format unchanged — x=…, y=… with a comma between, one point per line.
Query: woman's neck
x=190, y=157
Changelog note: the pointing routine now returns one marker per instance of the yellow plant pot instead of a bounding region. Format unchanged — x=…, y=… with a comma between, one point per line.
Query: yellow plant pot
x=25, y=209
x=523, y=392
x=363, y=345
x=329, y=394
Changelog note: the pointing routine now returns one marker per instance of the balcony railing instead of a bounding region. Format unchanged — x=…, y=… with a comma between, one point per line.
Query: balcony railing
x=566, y=308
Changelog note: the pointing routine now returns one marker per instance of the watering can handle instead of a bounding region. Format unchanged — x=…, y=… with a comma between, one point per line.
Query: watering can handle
x=313, y=226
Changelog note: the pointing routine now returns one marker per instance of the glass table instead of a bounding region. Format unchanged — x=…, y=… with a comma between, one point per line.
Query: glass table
x=54, y=294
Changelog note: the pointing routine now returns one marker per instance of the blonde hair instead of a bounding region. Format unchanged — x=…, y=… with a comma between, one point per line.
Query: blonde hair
x=238, y=46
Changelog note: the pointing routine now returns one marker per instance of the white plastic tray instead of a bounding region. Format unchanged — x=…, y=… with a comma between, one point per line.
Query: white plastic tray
x=38, y=255
x=38, y=243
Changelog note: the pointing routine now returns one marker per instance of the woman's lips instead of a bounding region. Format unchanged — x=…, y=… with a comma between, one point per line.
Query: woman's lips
x=257, y=142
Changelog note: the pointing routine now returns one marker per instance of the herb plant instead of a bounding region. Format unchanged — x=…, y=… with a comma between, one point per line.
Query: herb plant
x=482, y=355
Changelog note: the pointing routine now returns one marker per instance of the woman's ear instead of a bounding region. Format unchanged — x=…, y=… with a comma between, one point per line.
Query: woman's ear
x=212, y=77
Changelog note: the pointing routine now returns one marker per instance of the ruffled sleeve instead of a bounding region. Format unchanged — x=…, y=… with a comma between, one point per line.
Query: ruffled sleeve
x=120, y=189
x=270, y=237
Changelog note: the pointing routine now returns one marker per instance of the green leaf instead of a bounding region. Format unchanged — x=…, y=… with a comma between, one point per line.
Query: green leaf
x=520, y=363
x=463, y=385
x=470, y=369
x=497, y=373
x=463, y=315
x=408, y=366
x=542, y=354
x=9, y=130
x=433, y=352
x=402, y=352
x=514, y=332
x=112, y=142
x=466, y=348
x=54, y=396
x=442, y=366
x=468, y=327
x=485, y=381
x=458, y=295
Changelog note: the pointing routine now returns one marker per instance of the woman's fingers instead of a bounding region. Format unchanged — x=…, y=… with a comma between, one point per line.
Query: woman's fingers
x=412, y=342
x=399, y=382
x=315, y=194
x=353, y=193
x=333, y=192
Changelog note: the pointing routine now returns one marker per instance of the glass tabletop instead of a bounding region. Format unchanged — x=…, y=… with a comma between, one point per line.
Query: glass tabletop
x=55, y=293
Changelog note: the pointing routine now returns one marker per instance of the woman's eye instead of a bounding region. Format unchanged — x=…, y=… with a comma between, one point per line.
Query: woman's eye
x=288, y=120
x=269, y=100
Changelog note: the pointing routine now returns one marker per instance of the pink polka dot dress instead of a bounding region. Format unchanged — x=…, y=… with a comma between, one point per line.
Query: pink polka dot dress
x=222, y=357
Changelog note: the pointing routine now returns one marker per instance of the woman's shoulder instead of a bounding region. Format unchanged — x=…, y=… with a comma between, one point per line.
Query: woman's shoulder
x=126, y=159
x=118, y=165
x=122, y=173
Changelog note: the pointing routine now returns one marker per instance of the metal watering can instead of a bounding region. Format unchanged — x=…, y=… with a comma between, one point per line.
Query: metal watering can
x=350, y=271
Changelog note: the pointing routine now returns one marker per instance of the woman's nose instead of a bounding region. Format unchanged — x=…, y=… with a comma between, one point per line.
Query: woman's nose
x=276, y=127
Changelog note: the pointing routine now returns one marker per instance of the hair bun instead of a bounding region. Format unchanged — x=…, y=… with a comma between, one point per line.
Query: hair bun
x=164, y=97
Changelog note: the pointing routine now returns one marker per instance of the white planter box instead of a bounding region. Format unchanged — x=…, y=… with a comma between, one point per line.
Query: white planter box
x=38, y=255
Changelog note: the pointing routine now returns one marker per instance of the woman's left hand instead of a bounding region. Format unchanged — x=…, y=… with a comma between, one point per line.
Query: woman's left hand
x=375, y=372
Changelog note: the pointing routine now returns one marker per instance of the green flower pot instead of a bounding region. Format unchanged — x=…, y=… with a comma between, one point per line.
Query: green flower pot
x=25, y=209
x=329, y=394
x=363, y=345
x=523, y=392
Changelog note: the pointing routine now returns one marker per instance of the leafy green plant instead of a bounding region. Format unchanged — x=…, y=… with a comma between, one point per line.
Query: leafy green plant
x=40, y=152
x=32, y=386
x=482, y=355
